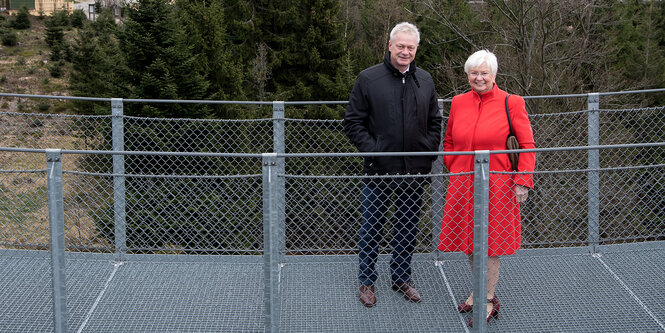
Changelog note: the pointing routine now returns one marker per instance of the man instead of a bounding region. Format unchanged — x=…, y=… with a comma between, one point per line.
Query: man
x=393, y=108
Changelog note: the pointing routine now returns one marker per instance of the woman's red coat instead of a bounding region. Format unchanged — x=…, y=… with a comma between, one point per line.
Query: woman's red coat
x=479, y=122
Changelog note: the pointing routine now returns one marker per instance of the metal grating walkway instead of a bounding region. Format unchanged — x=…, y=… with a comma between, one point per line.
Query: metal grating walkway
x=553, y=290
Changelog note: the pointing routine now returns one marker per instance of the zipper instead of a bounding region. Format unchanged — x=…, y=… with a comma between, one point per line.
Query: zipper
x=402, y=102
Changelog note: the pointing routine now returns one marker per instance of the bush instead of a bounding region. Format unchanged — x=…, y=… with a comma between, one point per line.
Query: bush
x=59, y=18
x=56, y=69
x=54, y=36
x=198, y=216
x=77, y=18
x=43, y=106
x=9, y=39
x=22, y=20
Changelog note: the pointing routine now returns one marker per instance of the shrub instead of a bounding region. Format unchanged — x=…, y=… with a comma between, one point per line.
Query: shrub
x=56, y=69
x=43, y=106
x=54, y=36
x=22, y=20
x=59, y=18
x=77, y=18
x=9, y=39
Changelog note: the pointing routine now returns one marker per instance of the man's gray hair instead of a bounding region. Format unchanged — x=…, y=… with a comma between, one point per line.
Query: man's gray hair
x=405, y=27
x=482, y=57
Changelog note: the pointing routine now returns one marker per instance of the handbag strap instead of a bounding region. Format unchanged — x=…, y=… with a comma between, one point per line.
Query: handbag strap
x=510, y=125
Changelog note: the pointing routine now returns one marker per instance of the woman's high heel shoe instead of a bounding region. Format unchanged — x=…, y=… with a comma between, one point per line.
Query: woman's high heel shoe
x=464, y=307
x=493, y=314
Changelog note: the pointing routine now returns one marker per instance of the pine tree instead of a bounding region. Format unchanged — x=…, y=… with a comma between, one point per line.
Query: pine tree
x=22, y=20
x=306, y=47
x=205, y=25
x=96, y=64
x=161, y=63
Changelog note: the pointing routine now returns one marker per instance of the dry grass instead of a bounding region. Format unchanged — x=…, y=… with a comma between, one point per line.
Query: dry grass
x=24, y=209
x=24, y=68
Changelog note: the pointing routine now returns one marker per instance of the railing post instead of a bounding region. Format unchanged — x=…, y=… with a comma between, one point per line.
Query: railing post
x=119, y=217
x=279, y=147
x=437, y=192
x=593, y=173
x=57, y=230
x=271, y=243
x=480, y=242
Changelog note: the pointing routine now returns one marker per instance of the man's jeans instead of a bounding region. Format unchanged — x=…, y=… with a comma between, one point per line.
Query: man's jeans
x=375, y=203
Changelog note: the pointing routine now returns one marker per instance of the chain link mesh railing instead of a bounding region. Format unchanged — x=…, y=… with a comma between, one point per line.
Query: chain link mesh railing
x=192, y=201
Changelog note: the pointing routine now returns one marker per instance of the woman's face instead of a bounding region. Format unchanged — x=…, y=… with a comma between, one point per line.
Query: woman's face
x=481, y=78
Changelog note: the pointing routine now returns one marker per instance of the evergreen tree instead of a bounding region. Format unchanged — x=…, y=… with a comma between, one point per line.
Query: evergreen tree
x=161, y=62
x=637, y=37
x=56, y=25
x=205, y=26
x=22, y=20
x=96, y=64
x=306, y=47
x=78, y=18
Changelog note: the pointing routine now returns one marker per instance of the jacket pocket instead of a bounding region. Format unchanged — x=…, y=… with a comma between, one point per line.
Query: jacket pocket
x=378, y=146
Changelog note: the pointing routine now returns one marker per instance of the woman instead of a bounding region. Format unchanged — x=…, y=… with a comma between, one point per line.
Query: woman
x=478, y=121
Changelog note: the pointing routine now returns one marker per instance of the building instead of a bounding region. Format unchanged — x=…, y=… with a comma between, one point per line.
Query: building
x=38, y=7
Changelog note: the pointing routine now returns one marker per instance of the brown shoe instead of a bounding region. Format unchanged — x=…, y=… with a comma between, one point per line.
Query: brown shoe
x=366, y=295
x=410, y=292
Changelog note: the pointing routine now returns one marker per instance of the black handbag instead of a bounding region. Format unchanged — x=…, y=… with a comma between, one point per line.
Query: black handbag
x=511, y=141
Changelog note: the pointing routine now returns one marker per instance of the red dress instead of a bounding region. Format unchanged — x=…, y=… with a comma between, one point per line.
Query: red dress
x=478, y=122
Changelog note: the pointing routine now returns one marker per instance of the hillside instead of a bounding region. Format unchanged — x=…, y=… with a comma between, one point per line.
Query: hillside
x=24, y=69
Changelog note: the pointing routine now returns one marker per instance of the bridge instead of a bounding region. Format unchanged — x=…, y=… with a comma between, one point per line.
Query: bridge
x=116, y=223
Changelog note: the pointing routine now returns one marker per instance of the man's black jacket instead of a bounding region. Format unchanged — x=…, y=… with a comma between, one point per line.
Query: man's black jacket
x=393, y=112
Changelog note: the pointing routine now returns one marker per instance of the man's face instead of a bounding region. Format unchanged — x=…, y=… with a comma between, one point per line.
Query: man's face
x=403, y=50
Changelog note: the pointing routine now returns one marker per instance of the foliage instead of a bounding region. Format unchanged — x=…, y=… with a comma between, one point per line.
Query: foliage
x=59, y=18
x=205, y=25
x=22, y=20
x=9, y=38
x=313, y=50
x=78, y=18
x=191, y=215
x=638, y=40
x=96, y=63
x=55, y=69
x=56, y=25
x=160, y=62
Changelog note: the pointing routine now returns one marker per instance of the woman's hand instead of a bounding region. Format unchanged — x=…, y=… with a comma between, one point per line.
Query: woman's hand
x=521, y=192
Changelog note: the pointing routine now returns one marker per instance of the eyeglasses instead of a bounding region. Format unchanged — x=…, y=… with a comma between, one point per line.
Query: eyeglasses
x=483, y=74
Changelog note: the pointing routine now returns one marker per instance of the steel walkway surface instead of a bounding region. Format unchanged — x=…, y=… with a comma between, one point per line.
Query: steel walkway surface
x=621, y=288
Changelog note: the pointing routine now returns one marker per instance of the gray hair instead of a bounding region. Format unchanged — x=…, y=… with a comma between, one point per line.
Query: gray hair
x=405, y=27
x=479, y=58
